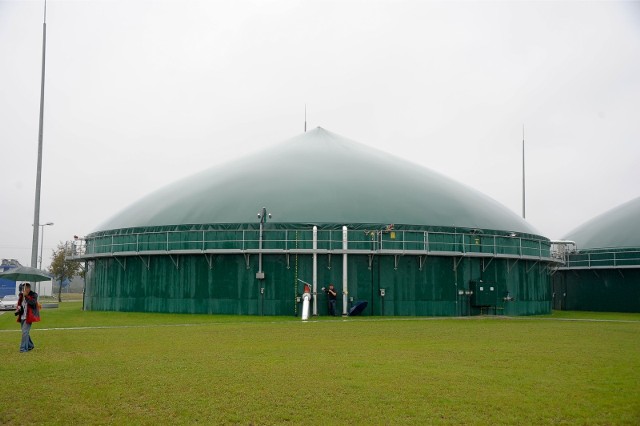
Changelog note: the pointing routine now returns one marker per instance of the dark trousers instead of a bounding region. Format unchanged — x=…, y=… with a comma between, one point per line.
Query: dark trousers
x=332, y=307
x=26, y=344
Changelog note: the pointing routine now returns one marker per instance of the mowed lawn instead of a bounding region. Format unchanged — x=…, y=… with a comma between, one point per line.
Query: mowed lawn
x=132, y=368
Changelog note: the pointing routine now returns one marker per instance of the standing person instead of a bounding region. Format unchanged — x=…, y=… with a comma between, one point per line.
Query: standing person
x=27, y=312
x=331, y=294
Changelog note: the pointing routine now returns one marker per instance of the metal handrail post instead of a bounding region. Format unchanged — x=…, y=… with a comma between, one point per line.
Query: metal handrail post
x=520, y=253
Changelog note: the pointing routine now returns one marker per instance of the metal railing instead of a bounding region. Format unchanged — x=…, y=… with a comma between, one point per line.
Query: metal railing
x=301, y=240
x=604, y=259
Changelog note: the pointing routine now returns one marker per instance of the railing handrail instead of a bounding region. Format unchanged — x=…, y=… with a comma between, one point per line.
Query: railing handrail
x=605, y=258
x=376, y=241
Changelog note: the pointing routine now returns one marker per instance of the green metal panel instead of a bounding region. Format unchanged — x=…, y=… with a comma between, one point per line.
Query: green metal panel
x=411, y=291
x=607, y=290
x=559, y=291
x=485, y=293
x=329, y=272
x=360, y=276
x=227, y=284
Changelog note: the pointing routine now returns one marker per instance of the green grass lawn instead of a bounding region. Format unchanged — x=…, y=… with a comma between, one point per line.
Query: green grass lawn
x=133, y=368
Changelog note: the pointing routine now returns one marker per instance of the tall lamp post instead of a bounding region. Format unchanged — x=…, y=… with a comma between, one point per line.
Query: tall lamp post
x=36, y=210
x=42, y=239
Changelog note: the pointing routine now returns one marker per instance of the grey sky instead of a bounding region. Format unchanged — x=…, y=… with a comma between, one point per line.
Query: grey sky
x=142, y=93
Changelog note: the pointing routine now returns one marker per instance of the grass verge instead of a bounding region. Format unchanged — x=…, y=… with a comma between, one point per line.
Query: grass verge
x=163, y=368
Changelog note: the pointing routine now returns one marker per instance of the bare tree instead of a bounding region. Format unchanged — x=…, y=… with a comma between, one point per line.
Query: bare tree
x=61, y=268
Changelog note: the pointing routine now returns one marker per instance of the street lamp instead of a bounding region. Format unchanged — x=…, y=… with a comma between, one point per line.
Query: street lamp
x=42, y=239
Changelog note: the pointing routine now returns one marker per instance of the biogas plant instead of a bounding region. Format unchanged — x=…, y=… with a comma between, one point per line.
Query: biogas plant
x=265, y=233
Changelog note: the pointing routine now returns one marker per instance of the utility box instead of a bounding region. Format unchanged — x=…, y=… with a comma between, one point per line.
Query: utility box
x=484, y=293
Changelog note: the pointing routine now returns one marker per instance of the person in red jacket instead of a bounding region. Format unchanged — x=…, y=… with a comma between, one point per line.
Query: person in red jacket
x=27, y=312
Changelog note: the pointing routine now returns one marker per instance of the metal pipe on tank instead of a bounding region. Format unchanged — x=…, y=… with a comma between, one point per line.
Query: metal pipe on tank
x=262, y=215
x=306, y=299
x=562, y=248
x=345, y=288
x=315, y=270
x=565, y=242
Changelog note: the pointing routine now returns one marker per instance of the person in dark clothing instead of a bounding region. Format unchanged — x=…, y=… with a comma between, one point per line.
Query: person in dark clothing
x=27, y=312
x=332, y=295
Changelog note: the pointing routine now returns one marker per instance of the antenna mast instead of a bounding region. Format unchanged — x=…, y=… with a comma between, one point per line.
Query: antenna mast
x=305, y=118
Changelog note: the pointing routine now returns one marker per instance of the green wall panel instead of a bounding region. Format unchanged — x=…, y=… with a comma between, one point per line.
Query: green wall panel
x=227, y=284
x=605, y=290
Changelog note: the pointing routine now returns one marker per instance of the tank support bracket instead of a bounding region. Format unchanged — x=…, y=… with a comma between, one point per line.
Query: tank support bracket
x=456, y=262
x=124, y=265
x=147, y=262
x=209, y=258
x=421, y=261
x=484, y=267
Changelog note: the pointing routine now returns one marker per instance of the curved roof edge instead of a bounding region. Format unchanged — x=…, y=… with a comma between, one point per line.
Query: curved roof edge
x=616, y=228
x=320, y=177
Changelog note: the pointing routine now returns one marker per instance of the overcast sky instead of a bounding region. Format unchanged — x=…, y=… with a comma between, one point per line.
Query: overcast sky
x=141, y=93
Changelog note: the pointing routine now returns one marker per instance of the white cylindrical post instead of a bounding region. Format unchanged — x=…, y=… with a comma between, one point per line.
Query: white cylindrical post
x=260, y=249
x=345, y=288
x=305, y=306
x=315, y=271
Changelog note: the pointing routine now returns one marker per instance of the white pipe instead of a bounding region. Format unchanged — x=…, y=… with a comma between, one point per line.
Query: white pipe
x=315, y=271
x=260, y=251
x=345, y=288
x=565, y=242
x=305, y=306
